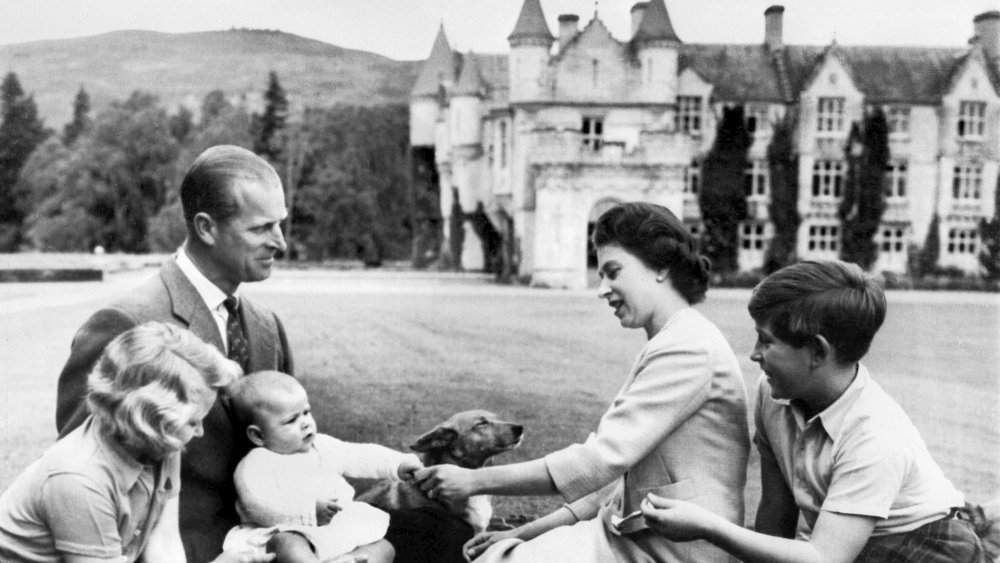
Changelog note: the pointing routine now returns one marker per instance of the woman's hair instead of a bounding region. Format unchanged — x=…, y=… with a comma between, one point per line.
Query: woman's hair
x=145, y=379
x=821, y=297
x=654, y=235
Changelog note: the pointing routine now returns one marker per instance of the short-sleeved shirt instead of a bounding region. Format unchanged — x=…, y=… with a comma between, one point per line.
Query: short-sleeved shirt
x=861, y=456
x=85, y=497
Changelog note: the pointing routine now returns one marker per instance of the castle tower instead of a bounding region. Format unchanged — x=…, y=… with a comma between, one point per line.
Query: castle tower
x=425, y=98
x=656, y=47
x=530, y=43
x=466, y=99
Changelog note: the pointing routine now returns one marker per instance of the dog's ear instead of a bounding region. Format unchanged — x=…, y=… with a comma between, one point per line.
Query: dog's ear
x=437, y=439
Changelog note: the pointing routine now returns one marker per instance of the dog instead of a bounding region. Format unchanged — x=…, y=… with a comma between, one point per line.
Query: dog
x=468, y=439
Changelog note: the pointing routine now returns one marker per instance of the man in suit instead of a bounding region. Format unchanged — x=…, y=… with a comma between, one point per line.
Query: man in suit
x=233, y=207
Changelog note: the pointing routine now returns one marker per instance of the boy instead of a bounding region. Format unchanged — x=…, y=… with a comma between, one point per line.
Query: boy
x=293, y=497
x=845, y=475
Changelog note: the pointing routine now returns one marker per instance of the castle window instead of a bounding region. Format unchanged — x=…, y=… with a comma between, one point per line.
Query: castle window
x=692, y=177
x=898, y=118
x=756, y=178
x=830, y=115
x=502, y=130
x=757, y=119
x=895, y=180
x=824, y=239
x=963, y=241
x=689, y=114
x=892, y=239
x=971, y=120
x=593, y=130
x=967, y=182
x=828, y=179
x=752, y=235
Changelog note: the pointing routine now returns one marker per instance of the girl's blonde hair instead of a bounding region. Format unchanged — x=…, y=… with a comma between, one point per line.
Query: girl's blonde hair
x=144, y=380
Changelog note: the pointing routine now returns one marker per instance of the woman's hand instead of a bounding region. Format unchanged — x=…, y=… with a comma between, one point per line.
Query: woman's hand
x=447, y=483
x=326, y=510
x=677, y=520
x=483, y=540
x=244, y=557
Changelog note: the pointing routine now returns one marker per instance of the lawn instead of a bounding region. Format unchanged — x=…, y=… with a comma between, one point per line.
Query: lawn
x=387, y=356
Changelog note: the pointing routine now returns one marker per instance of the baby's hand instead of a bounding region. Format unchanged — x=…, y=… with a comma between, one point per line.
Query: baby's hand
x=408, y=467
x=326, y=510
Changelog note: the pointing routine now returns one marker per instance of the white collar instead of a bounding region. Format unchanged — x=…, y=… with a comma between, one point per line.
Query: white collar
x=209, y=292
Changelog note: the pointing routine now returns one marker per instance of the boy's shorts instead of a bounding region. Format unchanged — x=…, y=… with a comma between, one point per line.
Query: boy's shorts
x=949, y=540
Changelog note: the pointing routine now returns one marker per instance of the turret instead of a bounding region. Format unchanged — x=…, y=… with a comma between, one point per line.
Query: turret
x=465, y=104
x=530, y=43
x=656, y=47
x=437, y=73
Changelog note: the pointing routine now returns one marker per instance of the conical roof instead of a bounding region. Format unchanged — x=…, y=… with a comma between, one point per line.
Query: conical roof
x=440, y=65
x=655, y=24
x=470, y=81
x=531, y=23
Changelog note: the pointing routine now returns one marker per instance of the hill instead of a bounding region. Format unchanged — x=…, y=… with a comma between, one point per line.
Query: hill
x=181, y=68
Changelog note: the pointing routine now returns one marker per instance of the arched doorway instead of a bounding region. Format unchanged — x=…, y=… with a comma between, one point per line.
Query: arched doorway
x=595, y=212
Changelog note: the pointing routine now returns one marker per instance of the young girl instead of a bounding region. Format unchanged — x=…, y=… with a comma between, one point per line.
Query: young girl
x=108, y=491
x=293, y=498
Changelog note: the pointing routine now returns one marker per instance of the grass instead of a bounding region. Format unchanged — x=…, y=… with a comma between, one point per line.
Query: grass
x=385, y=357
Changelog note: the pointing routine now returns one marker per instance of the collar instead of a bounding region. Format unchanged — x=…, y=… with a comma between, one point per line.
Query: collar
x=834, y=417
x=127, y=469
x=209, y=292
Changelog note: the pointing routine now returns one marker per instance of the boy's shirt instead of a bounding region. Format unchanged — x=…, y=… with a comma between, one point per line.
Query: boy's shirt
x=860, y=456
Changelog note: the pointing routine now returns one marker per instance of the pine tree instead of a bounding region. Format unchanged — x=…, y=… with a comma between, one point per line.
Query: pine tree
x=268, y=127
x=21, y=131
x=722, y=199
x=81, y=118
x=927, y=259
x=864, y=196
x=783, y=167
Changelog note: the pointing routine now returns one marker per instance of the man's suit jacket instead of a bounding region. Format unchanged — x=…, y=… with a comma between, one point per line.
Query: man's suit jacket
x=207, y=500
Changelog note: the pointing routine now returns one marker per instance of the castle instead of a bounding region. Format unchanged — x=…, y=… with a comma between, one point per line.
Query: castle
x=543, y=140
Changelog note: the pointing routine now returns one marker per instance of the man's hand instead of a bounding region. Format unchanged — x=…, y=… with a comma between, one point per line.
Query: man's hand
x=447, y=483
x=677, y=520
x=408, y=468
x=483, y=540
x=326, y=510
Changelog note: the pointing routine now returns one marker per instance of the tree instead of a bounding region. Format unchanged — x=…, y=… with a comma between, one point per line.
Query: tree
x=927, y=258
x=81, y=118
x=268, y=127
x=783, y=166
x=182, y=124
x=989, y=234
x=722, y=198
x=864, y=195
x=21, y=131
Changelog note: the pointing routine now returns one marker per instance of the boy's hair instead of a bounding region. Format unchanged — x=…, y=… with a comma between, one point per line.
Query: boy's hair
x=144, y=380
x=821, y=297
x=654, y=235
x=254, y=394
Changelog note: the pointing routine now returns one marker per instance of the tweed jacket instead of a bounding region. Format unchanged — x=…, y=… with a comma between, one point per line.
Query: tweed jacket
x=207, y=500
x=677, y=428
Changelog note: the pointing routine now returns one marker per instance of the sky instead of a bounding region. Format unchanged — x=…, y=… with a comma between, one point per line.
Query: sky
x=405, y=29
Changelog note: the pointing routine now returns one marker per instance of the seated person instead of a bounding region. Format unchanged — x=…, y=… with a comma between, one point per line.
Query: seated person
x=293, y=498
x=845, y=475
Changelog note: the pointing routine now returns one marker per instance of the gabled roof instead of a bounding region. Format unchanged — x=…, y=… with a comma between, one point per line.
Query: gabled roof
x=439, y=66
x=655, y=24
x=737, y=72
x=470, y=82
x=531, y=24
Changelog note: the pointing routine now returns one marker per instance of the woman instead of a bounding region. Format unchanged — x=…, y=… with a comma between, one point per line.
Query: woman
x=677, y=428
x=108, y=491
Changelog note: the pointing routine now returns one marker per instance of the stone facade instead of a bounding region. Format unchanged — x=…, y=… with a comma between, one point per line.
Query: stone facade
x=545, y=138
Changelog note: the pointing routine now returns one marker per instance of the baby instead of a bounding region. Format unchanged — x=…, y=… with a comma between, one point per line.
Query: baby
x=293, y=498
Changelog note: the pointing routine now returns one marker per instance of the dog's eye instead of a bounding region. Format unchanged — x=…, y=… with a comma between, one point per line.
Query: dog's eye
x=482, y=423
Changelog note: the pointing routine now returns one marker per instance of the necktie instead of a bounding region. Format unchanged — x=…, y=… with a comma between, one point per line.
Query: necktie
x=239, y=348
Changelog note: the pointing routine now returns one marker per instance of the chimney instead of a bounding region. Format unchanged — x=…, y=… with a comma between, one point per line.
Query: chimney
x=987, y=29
x=772, y=27
x=638, y=11
x=567, y=29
